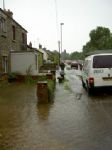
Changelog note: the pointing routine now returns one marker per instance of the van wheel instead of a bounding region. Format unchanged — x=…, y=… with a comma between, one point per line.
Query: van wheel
x=89, y=90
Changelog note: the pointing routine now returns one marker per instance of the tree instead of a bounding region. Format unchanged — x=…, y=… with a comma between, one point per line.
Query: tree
x=100, y=39
x=65, y=55
x=76, y=56
x=56, y=56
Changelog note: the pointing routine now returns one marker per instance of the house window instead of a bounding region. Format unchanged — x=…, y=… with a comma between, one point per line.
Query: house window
x=13, y=32
x=35, y=61
x=3, y=26
x=23, y=38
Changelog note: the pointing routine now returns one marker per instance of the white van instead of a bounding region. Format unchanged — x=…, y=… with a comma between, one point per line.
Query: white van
x=97, y=71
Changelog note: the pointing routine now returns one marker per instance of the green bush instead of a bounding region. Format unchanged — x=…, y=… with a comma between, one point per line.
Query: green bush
x=51, y=87
x=12, y=75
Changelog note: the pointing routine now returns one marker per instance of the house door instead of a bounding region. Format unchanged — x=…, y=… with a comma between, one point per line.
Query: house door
x=4, y=64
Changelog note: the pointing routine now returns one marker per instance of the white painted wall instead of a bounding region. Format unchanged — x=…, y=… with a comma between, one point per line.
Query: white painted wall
x=21, y=61
x=45, y=55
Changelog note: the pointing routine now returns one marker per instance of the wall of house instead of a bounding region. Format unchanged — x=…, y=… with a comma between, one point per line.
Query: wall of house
x=7, y=42
x=24, y=61
x=45, y=55
x=40, y=59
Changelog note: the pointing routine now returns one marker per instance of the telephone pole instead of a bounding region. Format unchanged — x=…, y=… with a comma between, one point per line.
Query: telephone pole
x=59, y=51
x=61, y=24
x=3, y=4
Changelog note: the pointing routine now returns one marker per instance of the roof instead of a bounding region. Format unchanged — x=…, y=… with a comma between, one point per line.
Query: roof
x=99, y=52
x=24, y=51
x=13, y=19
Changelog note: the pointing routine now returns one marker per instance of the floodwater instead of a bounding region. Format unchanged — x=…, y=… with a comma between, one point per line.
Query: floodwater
x=73, y=121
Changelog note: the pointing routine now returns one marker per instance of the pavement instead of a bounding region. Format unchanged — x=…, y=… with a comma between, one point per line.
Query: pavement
x=70, y=85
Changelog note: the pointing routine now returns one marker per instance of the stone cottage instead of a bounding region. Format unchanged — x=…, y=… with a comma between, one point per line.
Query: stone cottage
x=13, y=37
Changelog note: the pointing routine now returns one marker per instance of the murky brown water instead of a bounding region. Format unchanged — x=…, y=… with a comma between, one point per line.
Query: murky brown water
x=67, y=124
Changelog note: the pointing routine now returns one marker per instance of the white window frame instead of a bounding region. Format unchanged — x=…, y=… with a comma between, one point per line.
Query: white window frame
x=5, y=64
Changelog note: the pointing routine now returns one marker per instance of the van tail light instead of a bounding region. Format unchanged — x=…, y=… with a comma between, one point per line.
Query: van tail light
x=91, y=81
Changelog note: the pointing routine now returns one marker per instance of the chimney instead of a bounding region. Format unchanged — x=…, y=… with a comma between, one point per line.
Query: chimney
x=30, y=44
x=40, y=46
x=44, y=49
x=9, y=13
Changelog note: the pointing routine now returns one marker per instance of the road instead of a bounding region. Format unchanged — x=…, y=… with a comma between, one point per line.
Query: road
x=96, y=113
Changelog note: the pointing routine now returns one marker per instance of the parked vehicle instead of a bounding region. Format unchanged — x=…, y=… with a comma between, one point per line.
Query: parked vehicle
x=97, y=71
x=76, y=65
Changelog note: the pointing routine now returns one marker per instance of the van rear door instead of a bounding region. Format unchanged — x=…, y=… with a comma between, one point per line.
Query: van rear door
x=102, y=69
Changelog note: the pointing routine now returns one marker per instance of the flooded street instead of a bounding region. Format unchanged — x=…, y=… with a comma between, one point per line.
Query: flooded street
x=74, y=121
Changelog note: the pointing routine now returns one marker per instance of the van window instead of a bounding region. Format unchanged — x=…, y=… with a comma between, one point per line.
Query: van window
x=103, y=61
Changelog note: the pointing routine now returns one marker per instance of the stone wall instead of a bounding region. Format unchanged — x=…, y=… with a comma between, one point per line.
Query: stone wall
x=7, y=43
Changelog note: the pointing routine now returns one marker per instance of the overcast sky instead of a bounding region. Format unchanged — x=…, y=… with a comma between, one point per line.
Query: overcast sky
x=42, y=18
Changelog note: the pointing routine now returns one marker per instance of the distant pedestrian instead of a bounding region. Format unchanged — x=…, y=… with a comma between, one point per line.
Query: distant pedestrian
x=62, y=73
x=62, y=66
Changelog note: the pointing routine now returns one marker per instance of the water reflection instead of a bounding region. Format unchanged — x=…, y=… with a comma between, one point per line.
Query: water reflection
x=43, y=111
